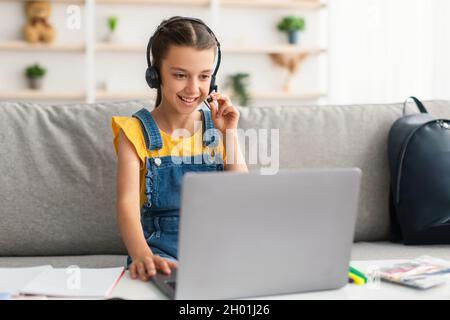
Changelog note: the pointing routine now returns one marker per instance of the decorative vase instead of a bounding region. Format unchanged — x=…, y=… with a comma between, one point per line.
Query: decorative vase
x=111, y=36
x=35, y=83
x=293, y=37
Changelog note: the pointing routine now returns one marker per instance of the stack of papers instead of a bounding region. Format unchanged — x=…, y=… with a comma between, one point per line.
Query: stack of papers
x=63, y=282
x=424, y=272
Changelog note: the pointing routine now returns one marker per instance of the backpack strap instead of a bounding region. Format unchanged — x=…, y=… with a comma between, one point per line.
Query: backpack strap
x=419, y=104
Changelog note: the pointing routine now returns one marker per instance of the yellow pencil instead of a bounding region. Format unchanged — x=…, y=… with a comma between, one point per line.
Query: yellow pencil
x=358, y=280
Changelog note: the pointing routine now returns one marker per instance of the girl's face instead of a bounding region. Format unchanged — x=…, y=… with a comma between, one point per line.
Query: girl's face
x=186, y=77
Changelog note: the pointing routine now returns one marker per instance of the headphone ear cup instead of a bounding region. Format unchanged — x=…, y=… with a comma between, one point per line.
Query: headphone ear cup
x=152, y=77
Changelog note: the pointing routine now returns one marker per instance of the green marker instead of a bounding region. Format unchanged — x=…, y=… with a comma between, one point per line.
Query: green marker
x=358, y=273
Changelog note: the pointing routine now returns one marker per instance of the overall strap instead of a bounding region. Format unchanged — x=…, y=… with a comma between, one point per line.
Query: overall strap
x=152, y=136
x=211, y=135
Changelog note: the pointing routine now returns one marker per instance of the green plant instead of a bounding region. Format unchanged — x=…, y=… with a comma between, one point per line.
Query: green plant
x=112, y=23
x=35, y=71
x=239, y=85
x=291, y=23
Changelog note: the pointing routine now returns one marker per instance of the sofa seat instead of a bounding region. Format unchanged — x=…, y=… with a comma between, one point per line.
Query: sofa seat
x=378, y=250
x=384, y=250
x=86, y=261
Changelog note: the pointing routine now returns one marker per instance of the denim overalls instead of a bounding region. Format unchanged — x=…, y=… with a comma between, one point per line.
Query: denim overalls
x=160, y=214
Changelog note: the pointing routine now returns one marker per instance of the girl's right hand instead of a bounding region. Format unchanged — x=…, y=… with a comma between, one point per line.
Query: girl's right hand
x=146, y=267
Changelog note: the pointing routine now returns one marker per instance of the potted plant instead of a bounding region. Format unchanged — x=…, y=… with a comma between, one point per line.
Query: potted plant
x=292, y=25
x=112, y=26
x=35, y=74
x=238, y=83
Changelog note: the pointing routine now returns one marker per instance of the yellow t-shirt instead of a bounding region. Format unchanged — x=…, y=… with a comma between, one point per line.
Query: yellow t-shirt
x=188, y=146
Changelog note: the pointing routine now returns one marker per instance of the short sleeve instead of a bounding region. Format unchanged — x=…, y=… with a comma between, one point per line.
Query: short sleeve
x=131, y=127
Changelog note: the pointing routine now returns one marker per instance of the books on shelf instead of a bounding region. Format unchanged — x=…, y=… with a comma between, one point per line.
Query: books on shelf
x=60, y=282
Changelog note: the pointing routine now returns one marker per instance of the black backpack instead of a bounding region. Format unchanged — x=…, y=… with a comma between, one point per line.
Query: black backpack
x=419, y=162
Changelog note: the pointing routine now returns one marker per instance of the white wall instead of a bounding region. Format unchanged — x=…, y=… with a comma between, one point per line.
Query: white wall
x=385, y=51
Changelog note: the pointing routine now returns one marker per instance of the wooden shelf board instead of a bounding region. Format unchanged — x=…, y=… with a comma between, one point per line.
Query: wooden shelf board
x=130, y=94
x=41, y=95
x=25, y=46
x=116, y=47
x=157, y=2
x=275, y=4
x=258, y=95
x=54, y=1
x=284, y=49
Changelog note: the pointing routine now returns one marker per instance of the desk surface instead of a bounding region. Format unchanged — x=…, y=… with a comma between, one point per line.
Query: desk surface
x=136, y=289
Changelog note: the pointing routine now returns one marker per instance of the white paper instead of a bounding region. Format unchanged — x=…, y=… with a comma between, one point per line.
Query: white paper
x=12, y=280
x=74, y=282
x=59, y=282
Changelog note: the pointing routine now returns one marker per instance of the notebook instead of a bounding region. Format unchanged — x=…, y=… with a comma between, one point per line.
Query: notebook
x=60, y=282
x=423, y=273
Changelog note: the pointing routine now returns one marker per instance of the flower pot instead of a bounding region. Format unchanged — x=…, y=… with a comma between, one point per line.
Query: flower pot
x=293, y=37
x=35, y=83
x=111, y=37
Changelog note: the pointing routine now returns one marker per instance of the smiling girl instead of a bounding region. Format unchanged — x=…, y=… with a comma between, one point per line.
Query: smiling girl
x=153, y=156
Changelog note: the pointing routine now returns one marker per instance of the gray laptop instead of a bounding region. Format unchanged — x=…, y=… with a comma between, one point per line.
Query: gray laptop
x=250, y=235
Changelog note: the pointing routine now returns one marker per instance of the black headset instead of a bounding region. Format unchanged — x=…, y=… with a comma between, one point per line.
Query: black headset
x=152, y=75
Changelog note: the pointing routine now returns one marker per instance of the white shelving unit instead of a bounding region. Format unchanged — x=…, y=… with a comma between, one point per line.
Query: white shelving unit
x=41, y=95
x=90, y=48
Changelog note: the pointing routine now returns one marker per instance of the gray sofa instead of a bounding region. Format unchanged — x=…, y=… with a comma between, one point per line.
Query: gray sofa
x=58, y=171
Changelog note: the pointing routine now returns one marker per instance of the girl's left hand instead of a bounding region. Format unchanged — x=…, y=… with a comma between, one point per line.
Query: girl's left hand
x=226, y=116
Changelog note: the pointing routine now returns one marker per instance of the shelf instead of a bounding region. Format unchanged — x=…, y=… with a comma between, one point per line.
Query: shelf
x=125, y=95
x=26, y=46
x=41, y=95
x=90, y=94
x=286, y=95
x=274, y=4
x=280, y=4
x=117, y=47
x=144, y=94
x=156, y=2
x=53, y=1
x=272, y=49
x=151, y=94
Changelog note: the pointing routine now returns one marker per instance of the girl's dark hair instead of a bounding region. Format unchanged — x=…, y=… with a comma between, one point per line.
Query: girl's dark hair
x=182, y=33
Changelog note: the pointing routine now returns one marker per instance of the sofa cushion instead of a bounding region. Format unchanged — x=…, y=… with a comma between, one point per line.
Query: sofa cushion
x=337, y=137
x=383, y=250
x=378, y=250
x=58, y=186
x=87, y=261
x=58, y=167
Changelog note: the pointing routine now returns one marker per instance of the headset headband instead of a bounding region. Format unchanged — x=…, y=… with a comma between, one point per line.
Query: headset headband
x=174, y=19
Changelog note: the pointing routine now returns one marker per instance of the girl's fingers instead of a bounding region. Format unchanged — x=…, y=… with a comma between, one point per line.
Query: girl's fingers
x=162, y=265
x=172, y=264
x=150, y=267
x=141, y=271
x=227, y=109
x=133, y=271
x=213, y=109
x=226, y=103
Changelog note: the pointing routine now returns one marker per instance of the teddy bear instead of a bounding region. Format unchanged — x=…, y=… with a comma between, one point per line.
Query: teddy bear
x=37, y=28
